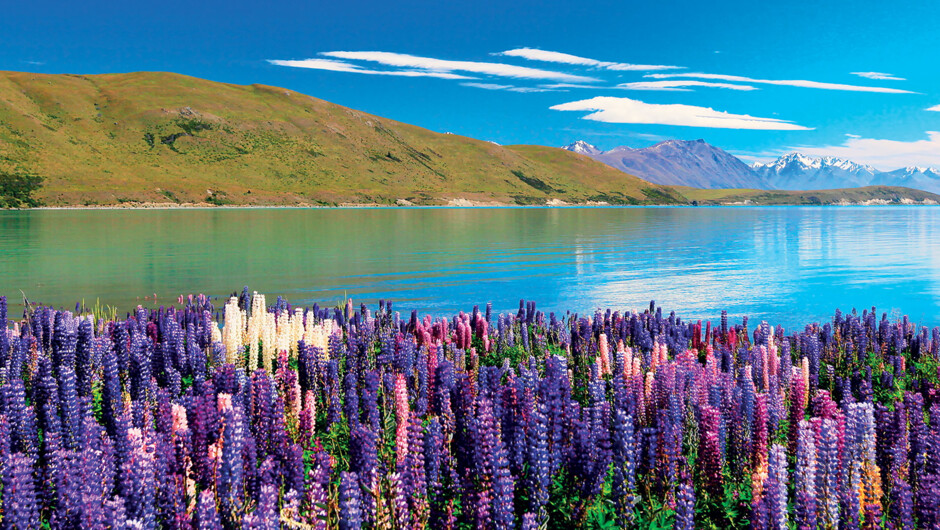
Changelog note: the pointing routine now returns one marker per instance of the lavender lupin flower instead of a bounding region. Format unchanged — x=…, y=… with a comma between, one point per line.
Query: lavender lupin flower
x=775, y=489
x=207, y=512
x=21, y=510
x=350, y=509
x=685, y=506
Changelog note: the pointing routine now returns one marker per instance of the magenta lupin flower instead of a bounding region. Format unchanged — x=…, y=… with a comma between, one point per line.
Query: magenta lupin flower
x=710, y=460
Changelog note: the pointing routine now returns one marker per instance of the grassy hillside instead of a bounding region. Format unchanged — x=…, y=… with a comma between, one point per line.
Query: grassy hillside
x=162, y=137
x=866, y=195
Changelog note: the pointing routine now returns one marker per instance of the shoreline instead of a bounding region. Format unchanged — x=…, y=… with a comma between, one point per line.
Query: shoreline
x=354, y=206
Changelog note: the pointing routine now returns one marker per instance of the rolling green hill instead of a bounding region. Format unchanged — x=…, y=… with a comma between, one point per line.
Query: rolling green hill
x=167, y=138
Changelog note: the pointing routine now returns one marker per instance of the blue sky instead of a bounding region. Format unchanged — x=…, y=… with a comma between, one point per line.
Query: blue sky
x=755, y=78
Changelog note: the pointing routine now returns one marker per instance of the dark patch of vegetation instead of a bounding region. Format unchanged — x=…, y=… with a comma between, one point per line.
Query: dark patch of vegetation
x=526, y=200
x=534, y=182
x=217, y=198
x=392, y=157
x=170, y=195
x=659, y=195
x=149, y=138
x=170, y=138
x=613, y=199
x=16, y=190
x=193, y=125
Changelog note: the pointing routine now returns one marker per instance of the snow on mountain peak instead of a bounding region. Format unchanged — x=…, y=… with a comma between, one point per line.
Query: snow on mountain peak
x=582, y=147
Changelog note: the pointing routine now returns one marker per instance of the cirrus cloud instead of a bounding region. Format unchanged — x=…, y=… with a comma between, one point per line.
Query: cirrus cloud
x=509, y=88
x=935, y=108
x=881, y=76
x=783, y=82
x=681, y=85
x=534, y=54
x=625, y=110
x=342, y=66
x=430, y=64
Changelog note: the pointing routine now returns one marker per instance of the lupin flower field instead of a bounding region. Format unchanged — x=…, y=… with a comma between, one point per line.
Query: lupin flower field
x=257, y=416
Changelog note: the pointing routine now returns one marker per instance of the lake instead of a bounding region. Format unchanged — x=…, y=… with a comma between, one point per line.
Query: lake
x=786, y=265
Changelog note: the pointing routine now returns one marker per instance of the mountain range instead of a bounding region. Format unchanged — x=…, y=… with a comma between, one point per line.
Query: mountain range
x=696, y=164
x=701, y=165
x=796, y=171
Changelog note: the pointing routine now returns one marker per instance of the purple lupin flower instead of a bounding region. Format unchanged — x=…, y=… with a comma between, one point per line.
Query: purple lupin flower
x=901, y=512
x=350, y=509
x=805, y=478
x=265, y=516
x=775, y=489
x=4, y=338
x=927, y=495
x=22, y=418
x=530, y=521
x=207, y=512
x=363, y=460
x=230, y=475
x=685, y=506
x=828, y=469
x=21, y=510
x=624, y=459
x=538, y=474
x=415, y=479
x=138, y=482
x=85, y=362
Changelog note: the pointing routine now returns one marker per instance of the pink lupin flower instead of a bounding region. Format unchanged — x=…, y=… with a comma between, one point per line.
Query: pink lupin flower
x=603, y=355
x=432, y=367
x=180, y=423
x=765, y=372
x=401, y=415
x=225, y=402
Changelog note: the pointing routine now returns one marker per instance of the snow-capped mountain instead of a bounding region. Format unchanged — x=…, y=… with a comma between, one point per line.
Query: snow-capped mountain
x=796, y=171
x=678, y=162
x=582, y=147
x=698, y=164
x=922, y=178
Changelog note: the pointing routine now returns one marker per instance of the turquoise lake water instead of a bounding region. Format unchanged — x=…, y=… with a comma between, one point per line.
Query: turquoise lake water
x=786, y=265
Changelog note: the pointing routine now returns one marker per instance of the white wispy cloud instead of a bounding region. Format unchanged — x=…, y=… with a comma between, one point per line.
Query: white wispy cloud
x=883, y=154
x=670, y=85
x=783, y=82
x=881, y=76
x=487, y=86
x=625, y=110
x=680, y=85
x=430, y=64
x=508, y=88
x=935, y=108
x=342, y=66
x=534, y=54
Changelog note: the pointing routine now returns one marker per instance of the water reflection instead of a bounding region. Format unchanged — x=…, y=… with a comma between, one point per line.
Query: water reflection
x=786, y=265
